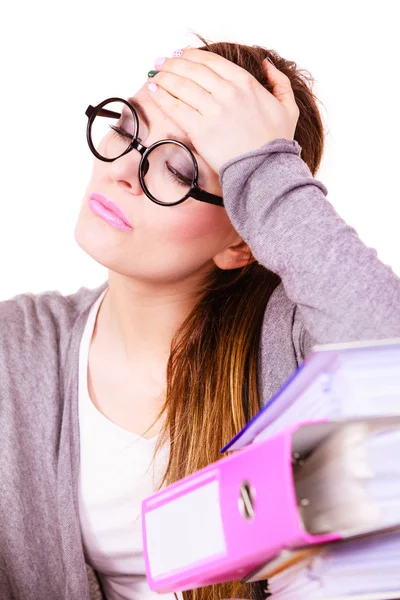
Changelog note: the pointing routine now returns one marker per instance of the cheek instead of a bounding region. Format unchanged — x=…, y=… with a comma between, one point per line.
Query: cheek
x=201, y=223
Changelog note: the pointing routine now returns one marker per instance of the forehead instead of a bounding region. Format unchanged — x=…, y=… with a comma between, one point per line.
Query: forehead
x=152, y=116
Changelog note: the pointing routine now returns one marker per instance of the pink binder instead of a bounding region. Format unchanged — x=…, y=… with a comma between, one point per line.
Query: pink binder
x=229, y=518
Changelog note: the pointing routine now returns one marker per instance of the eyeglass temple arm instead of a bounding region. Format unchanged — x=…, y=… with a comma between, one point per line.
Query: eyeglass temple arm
x=103, y=112
x=206, y=197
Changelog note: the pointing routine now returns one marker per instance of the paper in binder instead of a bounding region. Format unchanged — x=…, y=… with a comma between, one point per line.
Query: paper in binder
x=353, y=480
x=361, y=568
x=336, y=381
x=225, y=521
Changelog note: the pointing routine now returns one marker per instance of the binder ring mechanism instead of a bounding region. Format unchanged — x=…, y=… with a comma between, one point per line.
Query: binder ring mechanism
x=246, y=501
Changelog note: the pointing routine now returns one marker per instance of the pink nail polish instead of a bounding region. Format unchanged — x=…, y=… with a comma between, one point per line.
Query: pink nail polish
x=159, y=61
x=177, y=53
x=152, y=87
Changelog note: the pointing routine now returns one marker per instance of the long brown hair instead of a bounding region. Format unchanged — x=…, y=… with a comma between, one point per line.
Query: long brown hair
x=212, y=369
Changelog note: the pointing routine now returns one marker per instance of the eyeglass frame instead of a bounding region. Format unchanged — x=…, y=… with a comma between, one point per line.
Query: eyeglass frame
x=195, y=191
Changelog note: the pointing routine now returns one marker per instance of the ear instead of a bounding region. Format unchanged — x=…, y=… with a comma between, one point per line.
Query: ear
x=235, y=256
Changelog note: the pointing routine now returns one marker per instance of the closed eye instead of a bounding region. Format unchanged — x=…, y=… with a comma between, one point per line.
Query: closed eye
x=121, y=132
x=178, y=177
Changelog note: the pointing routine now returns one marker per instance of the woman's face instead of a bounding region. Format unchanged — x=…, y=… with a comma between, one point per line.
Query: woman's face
x=163, y=243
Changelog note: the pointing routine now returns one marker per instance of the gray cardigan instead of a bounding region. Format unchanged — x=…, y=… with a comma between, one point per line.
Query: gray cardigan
x=333, y=288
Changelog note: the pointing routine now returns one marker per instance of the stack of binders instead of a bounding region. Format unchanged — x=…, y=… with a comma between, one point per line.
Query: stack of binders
x=309, y=500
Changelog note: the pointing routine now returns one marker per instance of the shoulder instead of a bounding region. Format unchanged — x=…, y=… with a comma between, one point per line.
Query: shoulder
x=36, y=332
x=32, y=316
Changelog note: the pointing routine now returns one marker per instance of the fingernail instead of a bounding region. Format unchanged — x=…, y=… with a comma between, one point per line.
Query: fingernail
x=152, y=73
x=160, y=61
x=269, y=60
x=152, y=87
x=177, y=53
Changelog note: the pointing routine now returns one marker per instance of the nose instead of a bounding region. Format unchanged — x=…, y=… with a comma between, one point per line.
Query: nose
x=125, y=171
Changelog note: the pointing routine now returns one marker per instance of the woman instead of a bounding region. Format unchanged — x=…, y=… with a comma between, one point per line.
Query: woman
x=211, y=303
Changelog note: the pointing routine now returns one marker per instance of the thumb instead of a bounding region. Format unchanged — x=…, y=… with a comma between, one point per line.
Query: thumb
x=280, y=83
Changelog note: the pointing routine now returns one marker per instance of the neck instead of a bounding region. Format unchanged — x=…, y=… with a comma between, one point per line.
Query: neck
x=140, y=319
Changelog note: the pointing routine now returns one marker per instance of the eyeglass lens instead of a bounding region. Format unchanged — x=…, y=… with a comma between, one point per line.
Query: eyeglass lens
x=168, y=169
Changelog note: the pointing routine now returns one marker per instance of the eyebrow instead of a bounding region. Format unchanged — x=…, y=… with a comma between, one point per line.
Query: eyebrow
x=138, y=106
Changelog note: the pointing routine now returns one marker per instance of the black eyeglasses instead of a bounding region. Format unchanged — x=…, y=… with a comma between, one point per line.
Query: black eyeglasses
x=168, y=170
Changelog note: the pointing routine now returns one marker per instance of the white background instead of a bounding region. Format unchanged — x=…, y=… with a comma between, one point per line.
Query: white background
x=59, y=57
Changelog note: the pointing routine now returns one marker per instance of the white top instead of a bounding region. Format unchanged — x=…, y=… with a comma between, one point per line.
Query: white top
x=116, y=473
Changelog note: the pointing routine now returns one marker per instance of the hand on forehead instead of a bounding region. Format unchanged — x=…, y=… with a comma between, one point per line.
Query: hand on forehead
x=222, y=108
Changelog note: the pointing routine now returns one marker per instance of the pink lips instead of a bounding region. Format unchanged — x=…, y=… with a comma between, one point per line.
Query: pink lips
x=108, y=211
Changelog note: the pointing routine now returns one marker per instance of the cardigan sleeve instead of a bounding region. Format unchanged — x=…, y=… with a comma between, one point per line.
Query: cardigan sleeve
x=340, y=288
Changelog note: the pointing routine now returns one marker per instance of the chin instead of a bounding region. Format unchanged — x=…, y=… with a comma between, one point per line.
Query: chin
x=98, y=240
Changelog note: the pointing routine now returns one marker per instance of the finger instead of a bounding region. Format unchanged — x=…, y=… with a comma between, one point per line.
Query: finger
x=223, y=67
x=198, y=72
x=183, y=114
x=281, y=86
x=186, y=90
